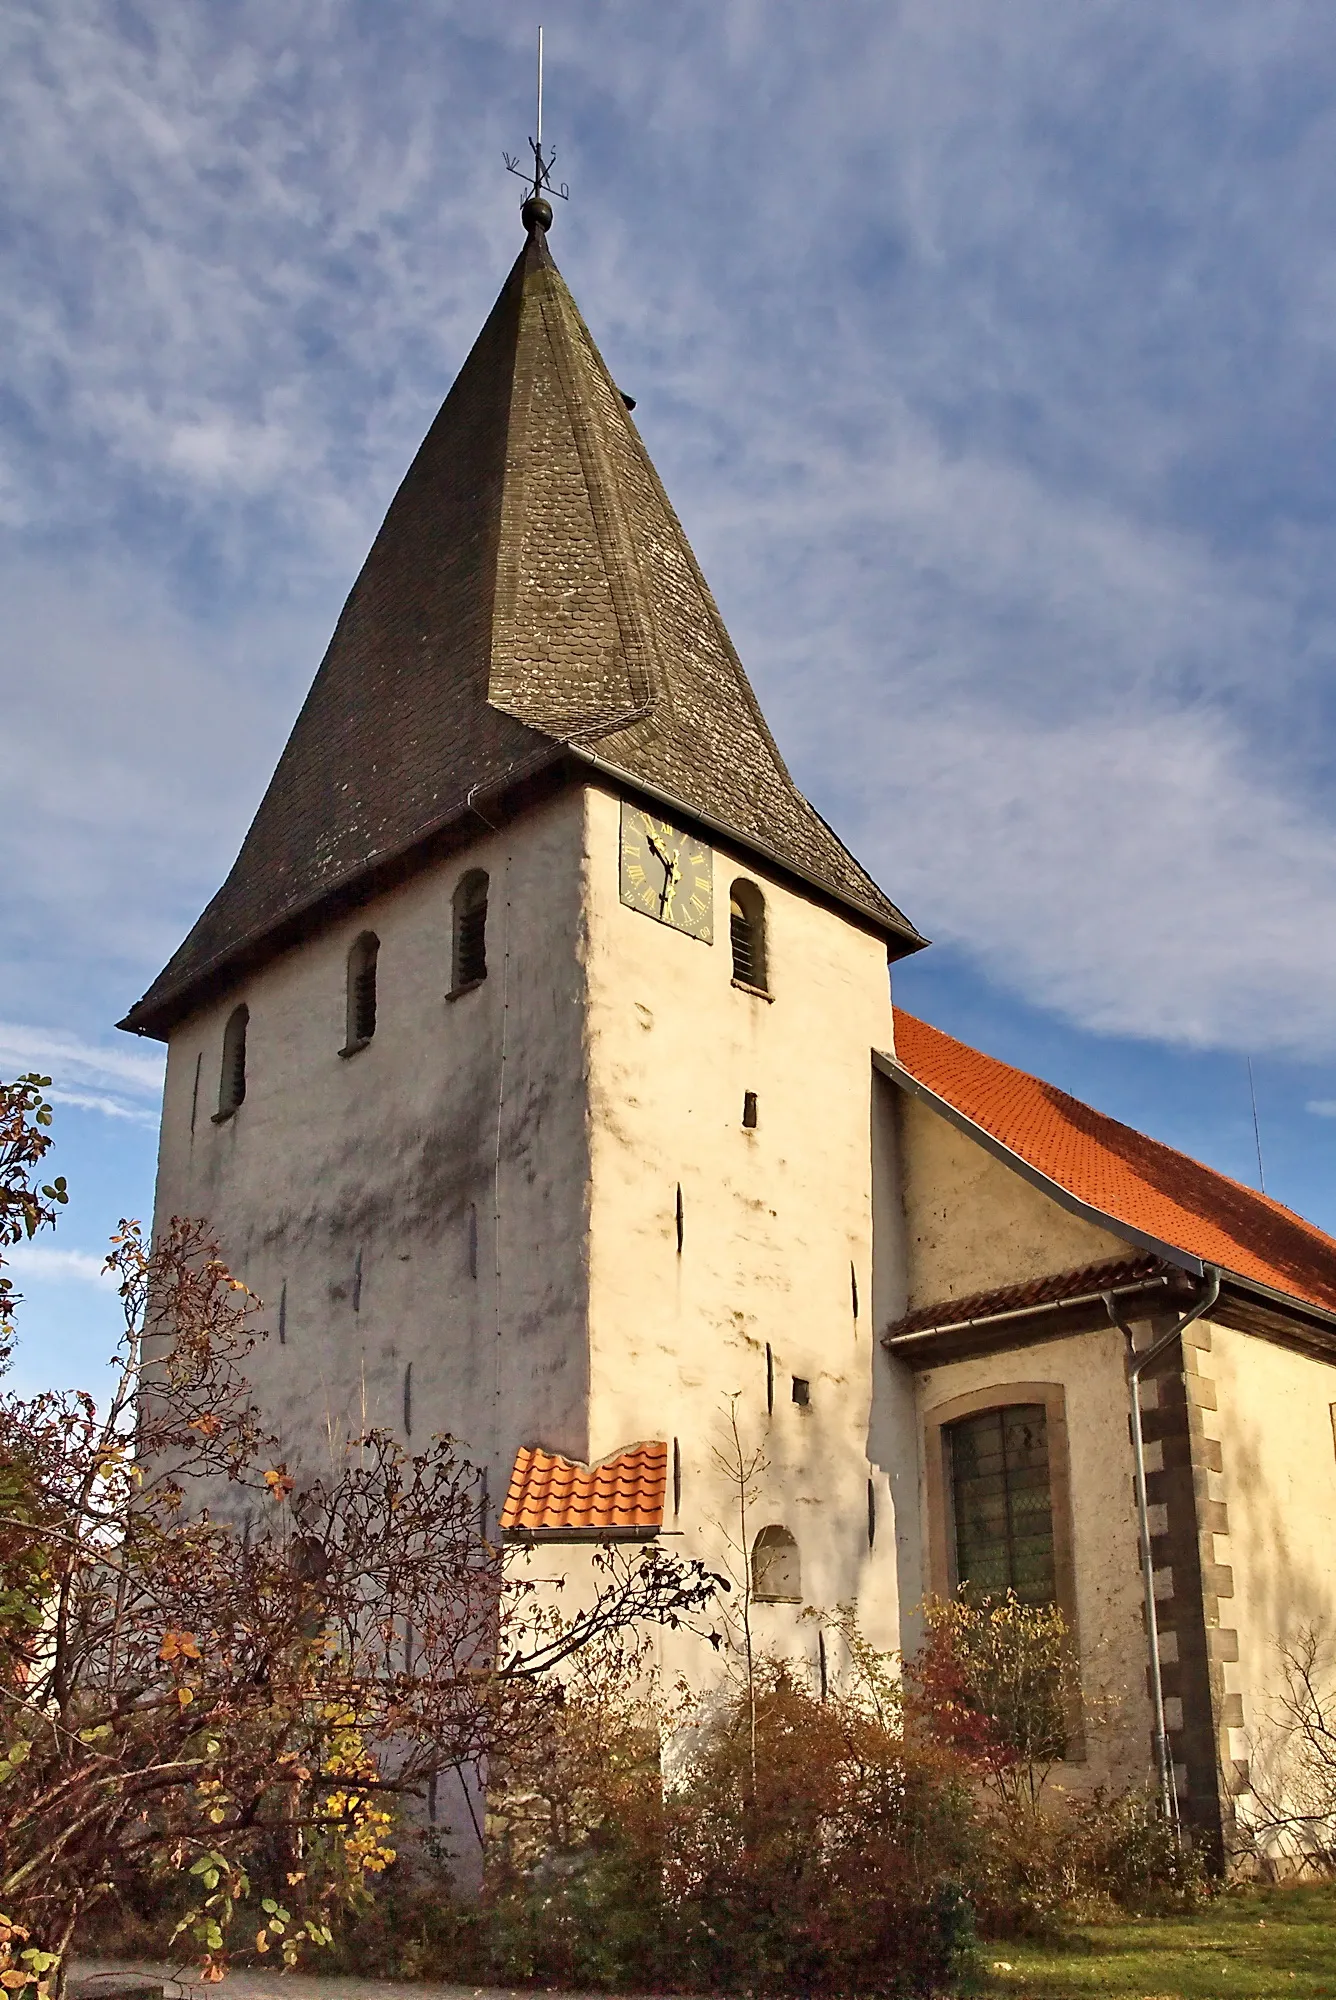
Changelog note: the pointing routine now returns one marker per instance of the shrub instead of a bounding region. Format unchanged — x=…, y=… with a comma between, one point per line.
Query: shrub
x=998, y=1680
x=831, y=1864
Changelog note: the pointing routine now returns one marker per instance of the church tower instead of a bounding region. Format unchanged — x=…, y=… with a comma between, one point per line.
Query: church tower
x=522, y=1064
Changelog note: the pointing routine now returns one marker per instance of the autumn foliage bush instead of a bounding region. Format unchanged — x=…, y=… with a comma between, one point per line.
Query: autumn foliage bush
x=823, y=1854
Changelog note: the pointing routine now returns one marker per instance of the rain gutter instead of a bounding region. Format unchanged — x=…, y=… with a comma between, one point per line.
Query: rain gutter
x=897, y=1343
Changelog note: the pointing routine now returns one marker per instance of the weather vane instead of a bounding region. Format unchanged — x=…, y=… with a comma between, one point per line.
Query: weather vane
x=538, y=178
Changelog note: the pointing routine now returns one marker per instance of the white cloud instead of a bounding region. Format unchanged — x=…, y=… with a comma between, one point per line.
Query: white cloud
x=1132, y=875
x=108, y=1107
x=992, y=415
x=47, y=1265
x=1322, y=1107
x=50, y=1052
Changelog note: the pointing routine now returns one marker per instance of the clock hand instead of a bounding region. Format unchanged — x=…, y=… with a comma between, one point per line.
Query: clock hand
x=672, y=876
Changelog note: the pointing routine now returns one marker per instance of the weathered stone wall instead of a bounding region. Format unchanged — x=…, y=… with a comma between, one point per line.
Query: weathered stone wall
x=341, y=1190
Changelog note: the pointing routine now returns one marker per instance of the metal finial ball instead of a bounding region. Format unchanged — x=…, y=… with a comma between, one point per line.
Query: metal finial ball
x=536, y=214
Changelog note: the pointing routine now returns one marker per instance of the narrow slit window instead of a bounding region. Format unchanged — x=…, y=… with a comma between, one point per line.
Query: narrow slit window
x=853, y=1287
x=677, y=1478
x=408, y=1400
x=194, y=1095
x=769, y=1379
x=749, y=1110
x=473, y=1240
x=776, y=1570
x=283, y=1315
x=470, y=945
x=871, y=1515
x=802, y=1391
x=822, y=1669
x=746, y=929
x=361, y=1020
x=232, y=1083
x=1002, y=1502
x=681, y=1220
x=357, y=1282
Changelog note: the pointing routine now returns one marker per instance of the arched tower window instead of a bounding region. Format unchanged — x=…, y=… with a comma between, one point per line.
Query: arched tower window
x=232, y=1082
x=776, y=1569
x=746, y=929
x=361, y=993
x=470, y=943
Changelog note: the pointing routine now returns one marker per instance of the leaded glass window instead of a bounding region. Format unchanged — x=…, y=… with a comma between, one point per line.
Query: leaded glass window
x=1002, y=1503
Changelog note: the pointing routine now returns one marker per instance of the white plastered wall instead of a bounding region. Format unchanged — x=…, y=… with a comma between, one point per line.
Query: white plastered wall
x=1090, y=1367
x=371, y=1163
x=777, y=1221
x=973, y=1223
x=627, y=1052
x=1273, y=1417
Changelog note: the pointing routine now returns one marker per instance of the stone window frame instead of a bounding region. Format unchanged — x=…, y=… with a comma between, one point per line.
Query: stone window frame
x=941, y=1538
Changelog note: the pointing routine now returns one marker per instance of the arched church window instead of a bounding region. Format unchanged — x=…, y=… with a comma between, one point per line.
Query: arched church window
x=776, y=1569
x=470, y=944
x=232, y=1082
x=1002, y=1503
x=361, y=1025
x=746, y=929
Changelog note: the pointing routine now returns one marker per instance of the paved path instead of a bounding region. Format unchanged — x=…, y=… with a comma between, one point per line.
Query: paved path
x=298, y=1985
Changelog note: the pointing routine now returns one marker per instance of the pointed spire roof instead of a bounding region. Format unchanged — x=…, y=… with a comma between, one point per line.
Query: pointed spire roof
x=530, y=603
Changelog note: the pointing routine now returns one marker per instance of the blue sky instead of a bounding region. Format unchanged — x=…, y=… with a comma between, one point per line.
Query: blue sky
x=987, y=352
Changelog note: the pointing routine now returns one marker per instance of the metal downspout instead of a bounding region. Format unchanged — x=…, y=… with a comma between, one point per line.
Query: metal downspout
x=1140, y=1362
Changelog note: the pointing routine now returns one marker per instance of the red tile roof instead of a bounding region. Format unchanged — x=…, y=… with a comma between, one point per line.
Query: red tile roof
x=1053, y=1289
x=1123, y=1175
x=560, y=1497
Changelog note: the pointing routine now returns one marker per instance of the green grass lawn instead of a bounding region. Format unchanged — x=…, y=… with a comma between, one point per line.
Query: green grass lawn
x=1257, y=1944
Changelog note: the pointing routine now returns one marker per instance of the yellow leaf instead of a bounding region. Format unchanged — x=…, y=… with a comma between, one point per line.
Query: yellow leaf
x=185, y=1696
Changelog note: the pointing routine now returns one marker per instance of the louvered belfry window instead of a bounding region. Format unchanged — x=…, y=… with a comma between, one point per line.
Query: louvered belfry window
x=470, y=954
x=362, y=990
x=746, y=929
x=232, y=1083
x=1002, y=1503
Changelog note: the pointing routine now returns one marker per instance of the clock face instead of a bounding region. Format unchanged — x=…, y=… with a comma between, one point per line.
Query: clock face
x=667, y=874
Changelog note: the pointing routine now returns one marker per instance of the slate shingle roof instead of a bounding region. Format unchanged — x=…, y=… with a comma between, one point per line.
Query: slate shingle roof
x=1121, y=1173
x=555, y=1496
x=530, y=589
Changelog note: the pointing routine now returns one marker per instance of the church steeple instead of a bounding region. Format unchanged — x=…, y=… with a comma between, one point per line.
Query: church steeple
x=529, y=609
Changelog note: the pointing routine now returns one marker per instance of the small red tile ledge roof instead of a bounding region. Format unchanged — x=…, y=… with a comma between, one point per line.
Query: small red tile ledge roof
x=1124, y=1176
x=559, y=1498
